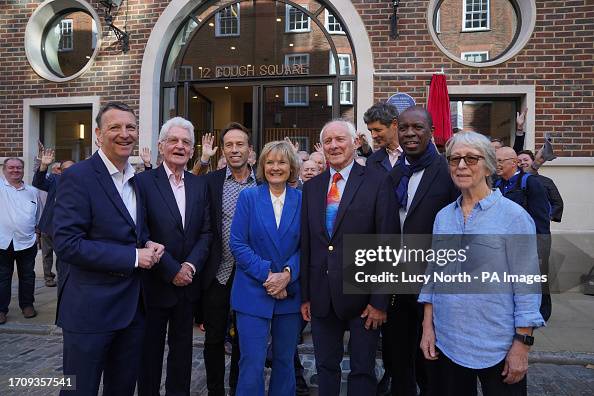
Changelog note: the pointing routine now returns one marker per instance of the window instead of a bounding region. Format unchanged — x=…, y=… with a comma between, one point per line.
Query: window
x=332, y=24
x=438, y=22
x=346, y=87
x=476, y=15
x=94, y=35
x=187, y=30
x=296, y=21
x=186, y=73
x=297, y=96
x=477, y=56
x=64, y=29
x=227, y=21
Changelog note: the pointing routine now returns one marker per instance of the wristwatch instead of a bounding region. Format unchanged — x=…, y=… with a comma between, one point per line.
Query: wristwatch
x=287, y=269
x=524, y=339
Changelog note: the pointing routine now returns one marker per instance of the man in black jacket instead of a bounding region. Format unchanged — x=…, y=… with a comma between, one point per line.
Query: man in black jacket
x=382, y=122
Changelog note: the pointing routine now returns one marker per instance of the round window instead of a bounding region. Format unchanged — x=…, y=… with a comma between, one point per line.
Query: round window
x=481, y=32
x=62, y=38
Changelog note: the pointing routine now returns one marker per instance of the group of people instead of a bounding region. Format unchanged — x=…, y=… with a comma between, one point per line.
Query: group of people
x=139, y=251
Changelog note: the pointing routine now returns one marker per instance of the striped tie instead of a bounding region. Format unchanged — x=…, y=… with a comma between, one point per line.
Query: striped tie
x=332, y=202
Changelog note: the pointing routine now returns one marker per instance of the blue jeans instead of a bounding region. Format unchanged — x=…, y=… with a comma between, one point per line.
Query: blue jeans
x=253, y=340
x=25, y=261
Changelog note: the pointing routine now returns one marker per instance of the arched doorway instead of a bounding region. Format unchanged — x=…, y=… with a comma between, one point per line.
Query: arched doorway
x=282, y=68
x=173, y=22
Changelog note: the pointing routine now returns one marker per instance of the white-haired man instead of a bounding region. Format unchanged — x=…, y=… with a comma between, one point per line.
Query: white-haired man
x=176, y=204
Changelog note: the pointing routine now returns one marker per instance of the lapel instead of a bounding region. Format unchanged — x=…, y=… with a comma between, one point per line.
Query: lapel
x=106, y=183
x=189, y=189
x=290, y=210
x=386, y=161
x=218, y=183
x=267, y=215
x=425, y=184
x=322, y=196
x=164, y=188
x=354, y=181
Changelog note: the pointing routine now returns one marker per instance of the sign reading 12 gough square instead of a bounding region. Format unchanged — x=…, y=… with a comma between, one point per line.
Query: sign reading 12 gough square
x=238, y=71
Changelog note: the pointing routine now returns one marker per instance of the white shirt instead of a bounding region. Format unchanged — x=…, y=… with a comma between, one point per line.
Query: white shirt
x=179, y=192
x=277, y=205
x=393, y=155
x=20, y=210
x=121, y=180
x=344, y=172
x=413, y=184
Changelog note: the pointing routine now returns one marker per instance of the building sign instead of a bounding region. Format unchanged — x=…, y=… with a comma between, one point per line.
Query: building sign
x=402, y=101
x=238, y=71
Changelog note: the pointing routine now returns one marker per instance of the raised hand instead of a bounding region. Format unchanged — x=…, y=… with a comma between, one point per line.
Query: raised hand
x=295, y=144
x=47, y=157
x=318, y=147
x=208, y=151
x=521, y=120
x=145, y=155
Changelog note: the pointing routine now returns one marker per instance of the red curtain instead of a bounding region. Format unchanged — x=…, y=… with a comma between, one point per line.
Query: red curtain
x=438, y=105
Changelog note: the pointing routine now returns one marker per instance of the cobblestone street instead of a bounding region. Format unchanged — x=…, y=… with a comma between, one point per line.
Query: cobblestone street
x=41, y=356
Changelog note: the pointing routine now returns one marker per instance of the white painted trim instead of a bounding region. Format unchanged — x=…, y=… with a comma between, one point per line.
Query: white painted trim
x=569, y=161
x=31, y=119
x=218, y=23
x=527, y=9
x=164, y=30
x=465, y=29
x=288, y=8
x=526, y=92
x=464, y=54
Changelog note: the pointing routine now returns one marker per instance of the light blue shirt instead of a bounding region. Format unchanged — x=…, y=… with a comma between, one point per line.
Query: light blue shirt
x=344, y=172
x=20, y=210
x=476, y=330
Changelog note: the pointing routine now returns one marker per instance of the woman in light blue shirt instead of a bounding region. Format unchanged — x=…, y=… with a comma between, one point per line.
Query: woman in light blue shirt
x=486, y=334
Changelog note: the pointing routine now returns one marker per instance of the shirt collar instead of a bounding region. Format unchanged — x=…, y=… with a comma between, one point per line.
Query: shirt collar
x=280, y=198
x=111, y=168
x=228, y=174
x=168, y=171
x=484, y=203
x=398, y=151
x=344, y=172
x=22, y=187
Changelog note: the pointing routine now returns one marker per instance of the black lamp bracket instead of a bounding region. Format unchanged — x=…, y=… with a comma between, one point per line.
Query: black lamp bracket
x=122, y=36
x=394, y=20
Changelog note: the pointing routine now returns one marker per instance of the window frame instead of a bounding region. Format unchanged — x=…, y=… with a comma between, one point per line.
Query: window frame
x=186, y=31
x=474, y=53
x=218, y=22
x=327, y=14
x=464, y=19
x=288, y=29
x=61, y=48
x=332, y=72
x=305, y=102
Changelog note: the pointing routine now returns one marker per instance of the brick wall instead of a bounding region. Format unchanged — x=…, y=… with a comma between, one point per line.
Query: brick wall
x=558, y=61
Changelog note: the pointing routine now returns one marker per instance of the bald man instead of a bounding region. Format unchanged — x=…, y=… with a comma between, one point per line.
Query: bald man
x=527, y=191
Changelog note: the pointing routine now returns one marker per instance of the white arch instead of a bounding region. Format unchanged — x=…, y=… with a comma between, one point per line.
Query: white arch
x=174, y=15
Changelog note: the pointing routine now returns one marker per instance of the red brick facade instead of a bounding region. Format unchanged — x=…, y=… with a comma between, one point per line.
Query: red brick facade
x=558, y=61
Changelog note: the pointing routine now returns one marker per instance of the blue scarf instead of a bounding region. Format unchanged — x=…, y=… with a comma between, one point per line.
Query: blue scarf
x=407, y=170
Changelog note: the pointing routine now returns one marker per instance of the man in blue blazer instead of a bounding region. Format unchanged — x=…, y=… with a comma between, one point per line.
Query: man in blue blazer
x=98, y=233
x=177, y=216
x=357, y=193
x=421, y=186
x=382, y=122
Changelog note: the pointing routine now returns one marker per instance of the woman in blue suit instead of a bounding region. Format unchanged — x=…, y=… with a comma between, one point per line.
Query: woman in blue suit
x=265, y=236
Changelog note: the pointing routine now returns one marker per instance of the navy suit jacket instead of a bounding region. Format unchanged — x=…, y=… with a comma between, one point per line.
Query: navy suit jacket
x=182, y=244
x=362, y=210
x=379, y=161
x=49, y=185
x=259, y=247
x=96, y=237
x=215, y=181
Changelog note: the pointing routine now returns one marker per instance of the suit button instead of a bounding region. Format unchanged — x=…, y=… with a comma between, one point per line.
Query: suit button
x=326, y=272
x=330, y=248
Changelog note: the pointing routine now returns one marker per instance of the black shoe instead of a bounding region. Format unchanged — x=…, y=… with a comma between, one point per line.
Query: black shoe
x=301, y=388
x=383, y=388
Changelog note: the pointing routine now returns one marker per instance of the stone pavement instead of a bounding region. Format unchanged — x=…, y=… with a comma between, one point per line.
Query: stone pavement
x=562, y=359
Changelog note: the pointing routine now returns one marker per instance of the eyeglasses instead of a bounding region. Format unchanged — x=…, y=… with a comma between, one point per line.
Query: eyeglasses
x=173, y=141
x=468, y=159
x=502, y=160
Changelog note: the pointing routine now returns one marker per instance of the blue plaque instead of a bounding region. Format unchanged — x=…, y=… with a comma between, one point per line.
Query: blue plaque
x=402, y=101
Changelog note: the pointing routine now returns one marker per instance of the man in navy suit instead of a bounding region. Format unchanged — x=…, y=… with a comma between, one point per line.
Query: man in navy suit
x=224, y=186
x=98, y=225
x=422, y=186
x=345, y=199
x=177, y=216
x=382, y=122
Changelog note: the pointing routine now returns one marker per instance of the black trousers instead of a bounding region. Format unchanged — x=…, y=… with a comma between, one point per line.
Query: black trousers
x=215, y=308
x=406, y=362
x=179, y=359
x=25, y=262
x=451, y=379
